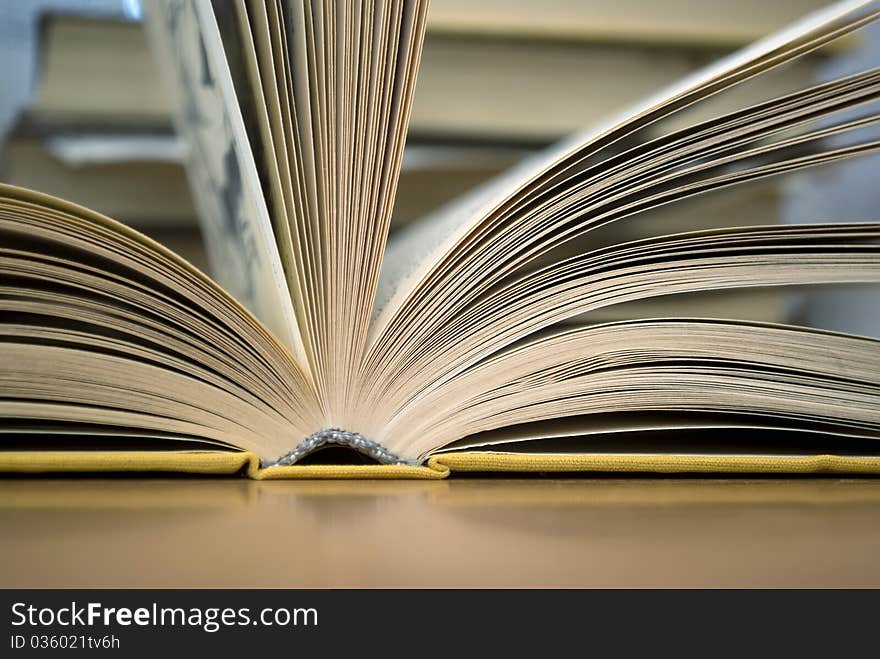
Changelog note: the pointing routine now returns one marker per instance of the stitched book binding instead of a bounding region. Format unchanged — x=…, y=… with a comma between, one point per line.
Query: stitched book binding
x=338, y=437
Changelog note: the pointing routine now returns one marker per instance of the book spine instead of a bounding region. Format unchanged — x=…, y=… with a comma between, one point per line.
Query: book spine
x=342, y=438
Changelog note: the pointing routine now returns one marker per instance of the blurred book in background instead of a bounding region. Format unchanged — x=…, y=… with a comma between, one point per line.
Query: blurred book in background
x=676, y=22
x=97, y=71
x=477, y=87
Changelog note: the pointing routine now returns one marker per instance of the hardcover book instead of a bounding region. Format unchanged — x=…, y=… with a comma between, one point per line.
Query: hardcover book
x=323, y=349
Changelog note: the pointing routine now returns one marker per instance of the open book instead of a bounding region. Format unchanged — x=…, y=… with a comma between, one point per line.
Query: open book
x=322, y=351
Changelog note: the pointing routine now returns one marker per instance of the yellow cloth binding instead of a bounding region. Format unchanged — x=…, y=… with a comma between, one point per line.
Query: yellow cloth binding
x=439, y=466
x=195, y=462
x=658, y=463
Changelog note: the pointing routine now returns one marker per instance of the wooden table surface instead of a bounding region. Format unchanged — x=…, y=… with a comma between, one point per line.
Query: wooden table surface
x=497, y=532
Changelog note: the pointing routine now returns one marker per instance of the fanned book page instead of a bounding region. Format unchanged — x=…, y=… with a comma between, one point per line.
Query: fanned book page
x=318, y=350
